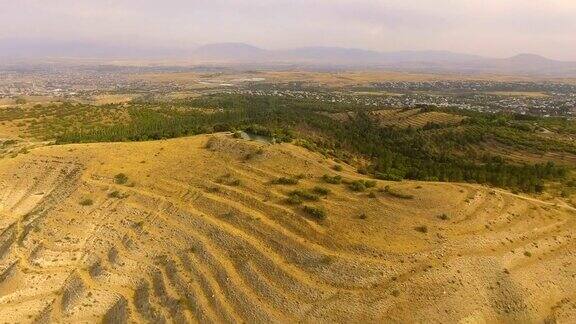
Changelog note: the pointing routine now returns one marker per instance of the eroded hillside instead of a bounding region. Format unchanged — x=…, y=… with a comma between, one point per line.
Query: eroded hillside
x=203, y=229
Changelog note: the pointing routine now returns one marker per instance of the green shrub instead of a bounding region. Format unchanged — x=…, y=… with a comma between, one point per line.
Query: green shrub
x=361, y=185
x=87, y=202
x=304, y=195
x=370, y=183
x=321, y=191
x=357, y=185
x=337, y=167
x=117, y=195
x=397, y=194
x=443, y=217
x=388, y=177
x=421, y=229
x=120, y=179
x=285, y=181
x=294, y=200
x=315, y=212
x=332, y=180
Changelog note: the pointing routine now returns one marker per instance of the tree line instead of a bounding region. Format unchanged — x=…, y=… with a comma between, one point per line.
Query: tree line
x=433, y=153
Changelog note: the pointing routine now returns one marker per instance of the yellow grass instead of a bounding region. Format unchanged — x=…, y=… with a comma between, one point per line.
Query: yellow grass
x=519, y=94
x=111, y=99
x=176, y=243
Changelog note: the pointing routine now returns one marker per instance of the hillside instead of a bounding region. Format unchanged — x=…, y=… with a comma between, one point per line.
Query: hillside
x=389, y=144
x=214, y=229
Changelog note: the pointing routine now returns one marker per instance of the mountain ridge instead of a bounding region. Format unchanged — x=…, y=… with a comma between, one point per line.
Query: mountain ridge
x=322, y=56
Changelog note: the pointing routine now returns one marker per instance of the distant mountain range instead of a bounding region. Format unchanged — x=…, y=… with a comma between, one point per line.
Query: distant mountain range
x=432, y=61
x=241, y=53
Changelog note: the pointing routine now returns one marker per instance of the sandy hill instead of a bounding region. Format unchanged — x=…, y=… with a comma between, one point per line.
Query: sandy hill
x=195, y=230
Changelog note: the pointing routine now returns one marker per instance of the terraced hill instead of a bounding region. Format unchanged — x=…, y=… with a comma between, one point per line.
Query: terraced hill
x=404, y=118
x=414, y=118
x=202, y=229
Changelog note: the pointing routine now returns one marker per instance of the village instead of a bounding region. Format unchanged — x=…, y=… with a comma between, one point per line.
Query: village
x=536, y=98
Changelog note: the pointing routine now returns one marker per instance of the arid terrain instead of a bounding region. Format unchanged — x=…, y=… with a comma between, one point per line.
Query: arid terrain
x=201, y=229
x=315, y=162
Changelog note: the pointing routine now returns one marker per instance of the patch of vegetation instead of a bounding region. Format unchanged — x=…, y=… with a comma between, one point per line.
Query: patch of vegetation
x=275, y=134
x=337, y=167
x=397, y=194
x=229, y=180
x=304, y=195
x=332, y=179
x=121, y=179
x=213, y=189
x=315, y=212
x=361, y=185
x=285, y=181
x=357, y=186
x=421, y=229
x=443, y=217
x=388, y=176
x=326, y=259
x=9, y=142
x=117, y=195
x=362, y=171
x=321, y=191
x=294, y=200
x=445, y=152
x=86, y=202
x=254, y=154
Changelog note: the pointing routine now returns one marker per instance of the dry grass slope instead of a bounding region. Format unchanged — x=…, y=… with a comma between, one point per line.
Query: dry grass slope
x=176, y=243
x=404, y=118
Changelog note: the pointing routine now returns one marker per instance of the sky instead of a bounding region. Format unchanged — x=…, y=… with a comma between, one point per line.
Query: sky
x=496, y=28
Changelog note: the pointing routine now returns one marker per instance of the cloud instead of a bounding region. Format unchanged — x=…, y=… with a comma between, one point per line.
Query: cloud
x=489, y=27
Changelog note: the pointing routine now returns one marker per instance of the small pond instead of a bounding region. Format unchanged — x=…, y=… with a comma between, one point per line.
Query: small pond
x=258, y=138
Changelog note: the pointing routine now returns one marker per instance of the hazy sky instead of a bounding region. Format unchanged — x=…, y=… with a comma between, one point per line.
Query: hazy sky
x=488, y=27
